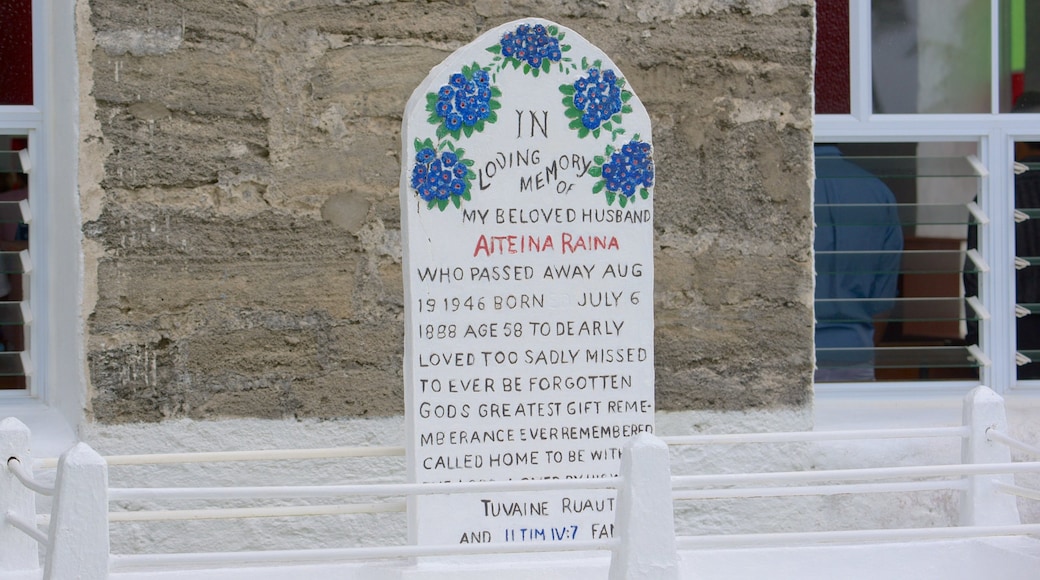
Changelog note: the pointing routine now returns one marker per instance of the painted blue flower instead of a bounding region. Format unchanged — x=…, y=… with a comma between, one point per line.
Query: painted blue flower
x=425, y=155
x=590, y=120
x=629, y=169
x=439, y=177
x=462, y=102
x=598, y=96
x=531, y=45
x=453, y=121
x=419, y=173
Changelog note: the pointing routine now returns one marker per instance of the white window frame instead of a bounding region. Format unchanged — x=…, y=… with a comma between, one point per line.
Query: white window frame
x=995, y=135
x=53, y=404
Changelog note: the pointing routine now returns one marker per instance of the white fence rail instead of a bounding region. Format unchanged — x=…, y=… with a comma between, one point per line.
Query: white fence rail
x=645, y=546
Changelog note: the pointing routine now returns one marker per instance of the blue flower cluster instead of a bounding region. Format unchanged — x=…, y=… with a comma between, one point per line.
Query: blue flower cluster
x=597, y=96
x=464, y=101
x=438, y=178
x=629, y=168
x=531, y=44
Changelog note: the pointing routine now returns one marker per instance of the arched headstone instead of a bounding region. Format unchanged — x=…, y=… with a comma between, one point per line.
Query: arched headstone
x=526, y=194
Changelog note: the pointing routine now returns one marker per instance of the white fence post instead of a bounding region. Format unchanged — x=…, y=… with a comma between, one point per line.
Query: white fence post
x=981, y=504
x=645, y=520
x=17, y=550
x=79, y=520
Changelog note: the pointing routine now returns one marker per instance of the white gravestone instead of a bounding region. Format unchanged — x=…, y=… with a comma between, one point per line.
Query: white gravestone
x=526, y=194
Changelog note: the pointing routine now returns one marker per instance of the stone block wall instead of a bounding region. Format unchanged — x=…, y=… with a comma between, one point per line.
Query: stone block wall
x=243, y=235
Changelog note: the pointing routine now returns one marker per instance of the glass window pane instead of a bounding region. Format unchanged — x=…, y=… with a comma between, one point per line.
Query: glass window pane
x=891, y=225
x=1027, y=250
x=832, y=57
x=1020, y=61
x=16, y=81
x=931, y=56
x=14, y=238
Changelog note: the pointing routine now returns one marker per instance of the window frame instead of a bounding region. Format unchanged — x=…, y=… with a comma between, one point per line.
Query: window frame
x=54, y=402
x=995, y=134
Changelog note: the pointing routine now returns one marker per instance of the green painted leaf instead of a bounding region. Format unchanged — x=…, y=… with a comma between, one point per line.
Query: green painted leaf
x=599, y=185
x=545, y=65
x=492, y=117
x=595, y=132
x=610, y=195
x=455, y=200
x=595, y=171
x=622, y=200
x=571, y=112
x=468, y=130
x=567, y=89
x=496, y=49
x=583, y=132
x=496, y=92
x=442, y=131
x=643, y=193
x=565, y=48
x=553, y=29
x=468, y=163
x=443, y=204
x=466, y=196
x=576, y=124
x=431, y=204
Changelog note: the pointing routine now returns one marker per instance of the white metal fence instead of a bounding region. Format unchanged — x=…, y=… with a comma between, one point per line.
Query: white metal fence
x=75, y=537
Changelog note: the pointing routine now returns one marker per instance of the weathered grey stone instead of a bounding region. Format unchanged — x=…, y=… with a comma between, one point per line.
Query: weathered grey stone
x=247, y=243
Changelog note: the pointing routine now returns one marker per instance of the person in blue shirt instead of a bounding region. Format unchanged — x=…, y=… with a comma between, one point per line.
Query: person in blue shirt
x=858, y=245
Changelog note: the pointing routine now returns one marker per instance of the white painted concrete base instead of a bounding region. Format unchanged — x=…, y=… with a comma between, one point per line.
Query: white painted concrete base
x=874, y=511
x=1004, y=558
